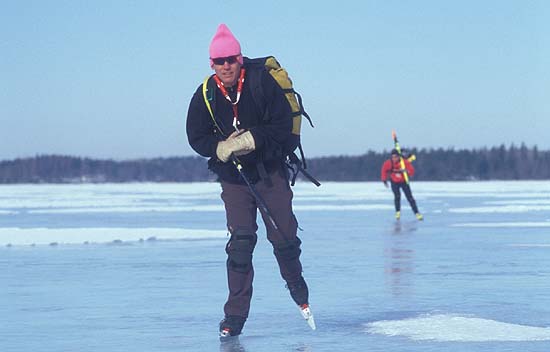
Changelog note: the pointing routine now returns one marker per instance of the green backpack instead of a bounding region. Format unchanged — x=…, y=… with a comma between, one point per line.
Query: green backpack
x=280, y=75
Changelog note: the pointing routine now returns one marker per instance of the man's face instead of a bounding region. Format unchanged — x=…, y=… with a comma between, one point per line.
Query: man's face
x=395, y=158
x=227, y=69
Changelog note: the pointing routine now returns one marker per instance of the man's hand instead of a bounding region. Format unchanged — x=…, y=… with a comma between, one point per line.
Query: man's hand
x=236, y=143
x=247, y=144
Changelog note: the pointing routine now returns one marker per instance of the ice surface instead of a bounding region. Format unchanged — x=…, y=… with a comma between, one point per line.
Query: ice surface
x=474, y=276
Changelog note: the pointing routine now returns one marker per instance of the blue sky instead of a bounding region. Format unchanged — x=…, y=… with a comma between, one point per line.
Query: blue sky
x=113, y=79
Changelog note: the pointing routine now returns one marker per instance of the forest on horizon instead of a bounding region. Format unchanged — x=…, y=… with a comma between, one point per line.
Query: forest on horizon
x=496, y=163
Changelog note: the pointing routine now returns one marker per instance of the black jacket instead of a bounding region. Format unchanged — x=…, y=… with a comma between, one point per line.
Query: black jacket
x=270, y=123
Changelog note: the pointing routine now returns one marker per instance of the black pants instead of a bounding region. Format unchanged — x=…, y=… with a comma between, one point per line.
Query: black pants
x=396, y=187
x=241, y=211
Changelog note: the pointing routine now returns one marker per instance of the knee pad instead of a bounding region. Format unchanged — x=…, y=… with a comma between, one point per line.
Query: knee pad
x=239, y=251
x=287, y=250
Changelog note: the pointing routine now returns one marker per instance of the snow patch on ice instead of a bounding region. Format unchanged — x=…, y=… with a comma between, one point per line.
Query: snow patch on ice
x=450, y=327
x=530, y=245
x=503, y=224
x=501, y=209
x=519, y=201
x=342, y=207
x=136, y=209
x=39, y=236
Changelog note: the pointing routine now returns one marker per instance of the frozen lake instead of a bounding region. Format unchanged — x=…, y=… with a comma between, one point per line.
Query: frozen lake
x=141, y=267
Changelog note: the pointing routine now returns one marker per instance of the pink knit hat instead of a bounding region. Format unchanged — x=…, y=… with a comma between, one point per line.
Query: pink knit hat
x=224, y=44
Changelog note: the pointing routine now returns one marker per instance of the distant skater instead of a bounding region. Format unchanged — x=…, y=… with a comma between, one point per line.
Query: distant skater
x=245, y=141
x=392, y=167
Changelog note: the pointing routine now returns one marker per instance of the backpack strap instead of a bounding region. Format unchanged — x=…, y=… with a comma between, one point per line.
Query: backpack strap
x=209, y=95
x=302, y=111
x=205, y=96
x=295, y=165
x=279, y=74
x=262, y=172
x=254, y=69
x=254, y=80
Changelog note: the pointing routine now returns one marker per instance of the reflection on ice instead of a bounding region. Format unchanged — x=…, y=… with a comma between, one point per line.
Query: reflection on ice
x=449, y=327
x=231, y=344
x=399, y=259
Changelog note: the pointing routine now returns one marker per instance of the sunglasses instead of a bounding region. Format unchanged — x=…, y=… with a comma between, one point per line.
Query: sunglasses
x=222, y=60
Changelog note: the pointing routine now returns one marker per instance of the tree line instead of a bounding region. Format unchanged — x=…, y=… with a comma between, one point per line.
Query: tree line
x=496, y=163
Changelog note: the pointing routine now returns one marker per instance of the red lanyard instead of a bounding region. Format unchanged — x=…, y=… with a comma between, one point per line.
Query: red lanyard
x=220, y=85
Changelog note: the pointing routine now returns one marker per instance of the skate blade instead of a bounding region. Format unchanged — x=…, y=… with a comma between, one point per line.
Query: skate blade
x=225, y=335
x=308, y=316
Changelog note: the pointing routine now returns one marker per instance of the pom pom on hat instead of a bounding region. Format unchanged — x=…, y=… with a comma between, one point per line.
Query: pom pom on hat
x=224, y=44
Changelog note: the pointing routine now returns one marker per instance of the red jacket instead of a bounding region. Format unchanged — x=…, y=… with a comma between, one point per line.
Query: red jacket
x=395, y=171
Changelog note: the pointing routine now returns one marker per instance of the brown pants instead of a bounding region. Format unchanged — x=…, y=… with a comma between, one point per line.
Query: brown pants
x=241, y=210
